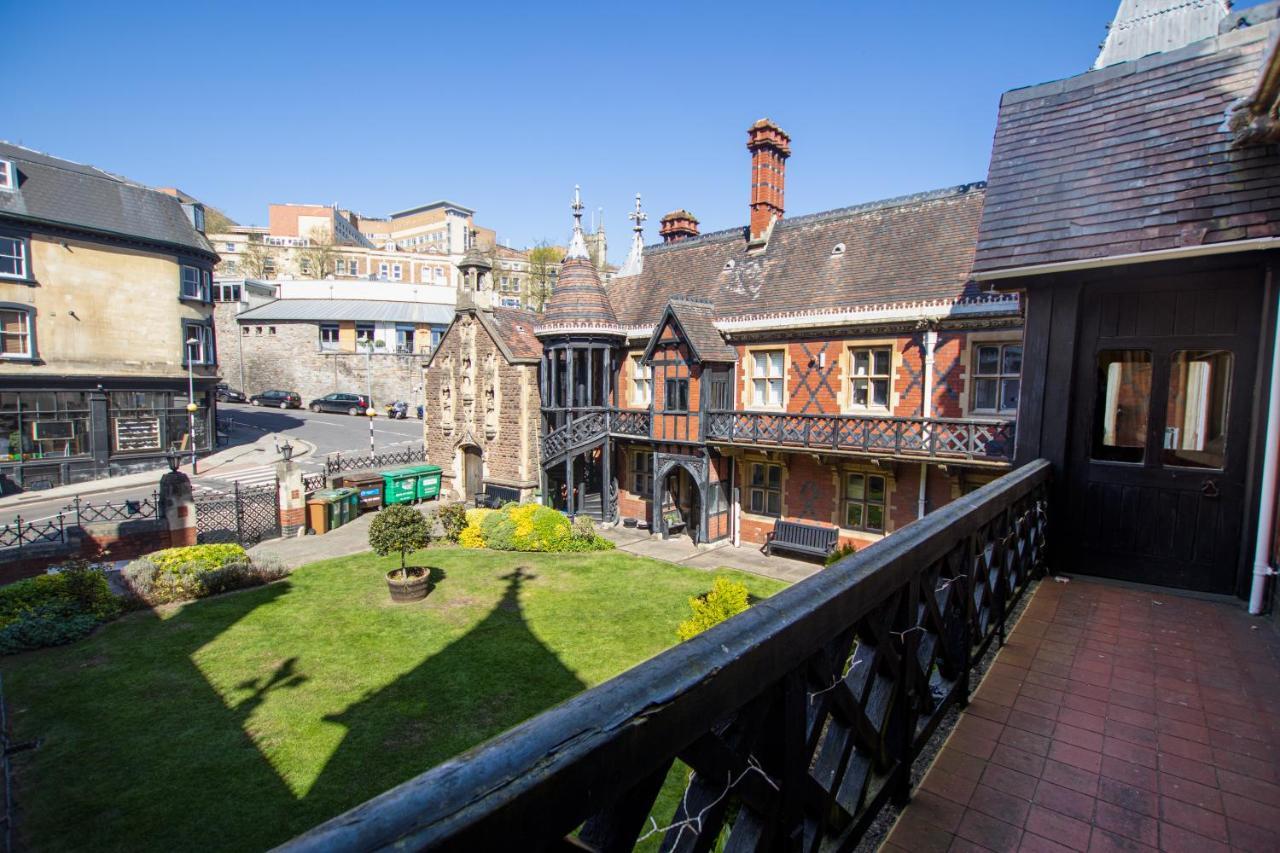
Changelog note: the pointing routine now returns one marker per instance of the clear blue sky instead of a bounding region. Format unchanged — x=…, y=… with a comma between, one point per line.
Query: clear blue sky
x=381, y=106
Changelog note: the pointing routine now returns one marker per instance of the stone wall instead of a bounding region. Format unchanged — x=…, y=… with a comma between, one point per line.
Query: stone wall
x=291, y=360
x=478, y=398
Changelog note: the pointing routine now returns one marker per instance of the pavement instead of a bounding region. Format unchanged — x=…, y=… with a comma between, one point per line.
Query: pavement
x=720, y=555
x=295, y=551
x=353, y=538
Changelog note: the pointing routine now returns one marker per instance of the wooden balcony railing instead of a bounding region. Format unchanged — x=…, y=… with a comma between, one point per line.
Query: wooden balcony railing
x=799, y=718
x=908, y=438
x=590, y=425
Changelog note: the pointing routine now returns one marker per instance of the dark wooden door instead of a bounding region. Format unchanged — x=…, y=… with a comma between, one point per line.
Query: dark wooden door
x=473, y=471
x=1160, y=429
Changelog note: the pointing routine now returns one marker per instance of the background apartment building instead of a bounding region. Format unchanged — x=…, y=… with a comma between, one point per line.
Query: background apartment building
x=106, y=315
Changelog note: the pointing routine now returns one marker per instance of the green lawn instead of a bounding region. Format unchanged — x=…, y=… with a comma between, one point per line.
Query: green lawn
x=237, y=722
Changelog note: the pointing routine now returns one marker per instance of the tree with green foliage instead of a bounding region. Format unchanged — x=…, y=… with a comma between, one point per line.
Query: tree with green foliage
x=544, y=263
x=399, y=529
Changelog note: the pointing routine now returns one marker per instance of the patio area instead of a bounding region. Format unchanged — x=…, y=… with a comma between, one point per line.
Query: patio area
x=1115, y=718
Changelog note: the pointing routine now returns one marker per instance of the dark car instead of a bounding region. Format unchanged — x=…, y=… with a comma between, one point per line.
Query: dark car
x=352, y=404
x=282, y=399
x=226, y=394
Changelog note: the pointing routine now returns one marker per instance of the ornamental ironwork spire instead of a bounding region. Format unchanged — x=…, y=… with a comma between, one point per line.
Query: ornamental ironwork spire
x=635, y=258
x=577, y=244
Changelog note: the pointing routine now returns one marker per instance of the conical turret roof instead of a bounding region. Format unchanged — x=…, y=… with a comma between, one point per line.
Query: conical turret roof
x=579, y=303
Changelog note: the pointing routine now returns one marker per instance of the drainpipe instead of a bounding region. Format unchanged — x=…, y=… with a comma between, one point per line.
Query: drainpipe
x=926, y=411
x=1267, y=505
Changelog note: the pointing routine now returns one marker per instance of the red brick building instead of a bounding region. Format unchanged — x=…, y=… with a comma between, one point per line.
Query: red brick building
x=839, y=368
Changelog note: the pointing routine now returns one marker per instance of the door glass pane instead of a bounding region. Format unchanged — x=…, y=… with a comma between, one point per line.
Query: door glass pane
x=1122, y=406
x=1195, y=426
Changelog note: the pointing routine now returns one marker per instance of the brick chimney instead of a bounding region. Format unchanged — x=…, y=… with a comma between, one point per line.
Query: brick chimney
x=770, y=146
x=678, y=225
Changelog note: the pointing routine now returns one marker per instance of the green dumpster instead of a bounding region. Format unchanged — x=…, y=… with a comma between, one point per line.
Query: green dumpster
x=429, y=481
x=330, y=508
x=400, y=485
x=348, y=504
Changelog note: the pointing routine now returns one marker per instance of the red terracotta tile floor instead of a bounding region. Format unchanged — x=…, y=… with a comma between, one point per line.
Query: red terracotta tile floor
x=1115, y=718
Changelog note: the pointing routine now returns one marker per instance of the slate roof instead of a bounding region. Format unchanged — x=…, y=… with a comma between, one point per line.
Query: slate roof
x=362, y=310
x=901, y=250
x=696, y=321
x=1131, y=158
x=579, y=302
x=514, y=326
x=60, y=192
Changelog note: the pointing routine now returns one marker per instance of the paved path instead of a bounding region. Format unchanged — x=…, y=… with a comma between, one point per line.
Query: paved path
x=679, y=549
x=1115, y=718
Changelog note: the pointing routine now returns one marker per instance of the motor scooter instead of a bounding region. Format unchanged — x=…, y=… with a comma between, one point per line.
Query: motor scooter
x=398, y=410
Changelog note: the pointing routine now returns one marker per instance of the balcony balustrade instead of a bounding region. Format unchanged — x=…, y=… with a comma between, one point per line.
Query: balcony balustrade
x=979, y=441
x=901, y=438
x=797, y=720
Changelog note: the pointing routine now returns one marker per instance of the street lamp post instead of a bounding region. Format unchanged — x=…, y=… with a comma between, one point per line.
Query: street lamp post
x=369, y=410
x=192, y=408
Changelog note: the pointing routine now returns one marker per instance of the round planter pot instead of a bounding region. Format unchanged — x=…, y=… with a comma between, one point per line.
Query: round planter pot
x=414, y=588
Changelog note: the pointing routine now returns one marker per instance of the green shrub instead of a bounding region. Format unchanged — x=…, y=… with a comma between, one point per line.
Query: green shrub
x=726, y=598
x=193, y=559
x=594, y=542
x=551, y=530
x=50, y=624
x=79, y=584
x=840, y=553
x=147, y=584
x=55, y=608
x=399, y=529
x=498, y=530
x=453, y=518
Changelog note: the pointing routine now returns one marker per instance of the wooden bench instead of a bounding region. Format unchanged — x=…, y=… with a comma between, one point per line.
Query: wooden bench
x=494, y=497
x=803, y=538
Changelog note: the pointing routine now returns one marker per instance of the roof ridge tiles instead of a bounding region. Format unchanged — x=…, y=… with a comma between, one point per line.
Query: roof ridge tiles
x=955, y=191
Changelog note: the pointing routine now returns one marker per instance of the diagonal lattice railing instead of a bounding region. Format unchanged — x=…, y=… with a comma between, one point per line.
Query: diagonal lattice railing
x=799, y=719
x=903, y=438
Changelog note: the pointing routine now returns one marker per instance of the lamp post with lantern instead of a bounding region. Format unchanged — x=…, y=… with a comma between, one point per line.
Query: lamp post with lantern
x=192, y=408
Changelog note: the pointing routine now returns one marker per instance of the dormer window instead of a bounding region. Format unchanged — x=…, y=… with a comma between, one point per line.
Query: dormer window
x=837, y=249
x=8, y=175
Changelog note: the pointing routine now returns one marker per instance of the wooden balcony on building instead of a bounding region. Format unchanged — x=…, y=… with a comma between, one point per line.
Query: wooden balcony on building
x=981, y=442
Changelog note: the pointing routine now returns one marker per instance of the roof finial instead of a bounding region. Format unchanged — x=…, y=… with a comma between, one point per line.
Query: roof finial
x=577, y=245
x=635, y=258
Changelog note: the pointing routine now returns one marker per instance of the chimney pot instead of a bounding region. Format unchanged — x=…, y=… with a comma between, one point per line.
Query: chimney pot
x=770, y=146
x=678, y=225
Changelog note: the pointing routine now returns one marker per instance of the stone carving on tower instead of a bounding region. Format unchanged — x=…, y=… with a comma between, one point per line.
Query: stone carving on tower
x=491, y=397
x=446, y=396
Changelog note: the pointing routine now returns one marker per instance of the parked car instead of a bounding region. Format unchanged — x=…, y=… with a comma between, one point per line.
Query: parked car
x=226, y=394
x=352, y=404
x=282, y=399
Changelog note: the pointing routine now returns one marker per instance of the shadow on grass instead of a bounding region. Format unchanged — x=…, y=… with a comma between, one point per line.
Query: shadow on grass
x=493, y=677
x=167, y=728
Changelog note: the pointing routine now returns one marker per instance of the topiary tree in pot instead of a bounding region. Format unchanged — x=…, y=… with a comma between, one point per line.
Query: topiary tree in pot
x=400, y=529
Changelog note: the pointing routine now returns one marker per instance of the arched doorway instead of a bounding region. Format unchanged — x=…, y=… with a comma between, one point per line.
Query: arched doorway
x=679, y=499
x=472, y=471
